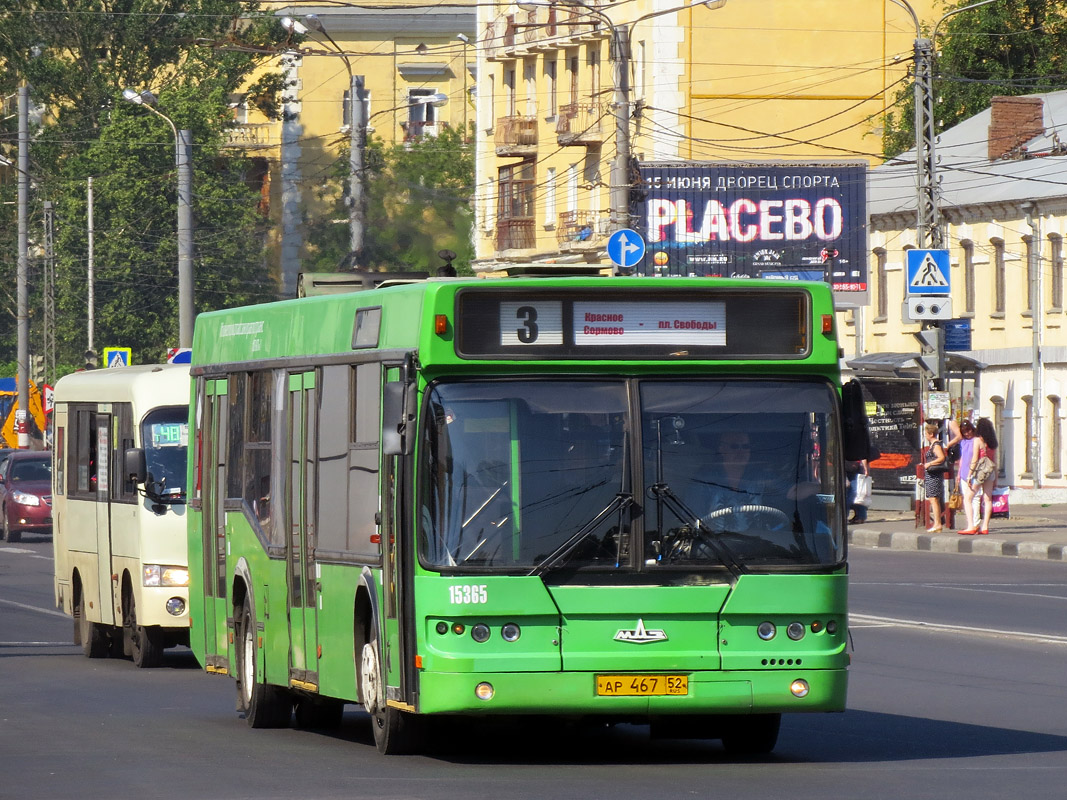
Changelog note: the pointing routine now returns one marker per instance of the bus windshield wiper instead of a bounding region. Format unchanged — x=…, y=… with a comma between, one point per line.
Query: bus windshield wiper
x=560, y=554
x=664, y=493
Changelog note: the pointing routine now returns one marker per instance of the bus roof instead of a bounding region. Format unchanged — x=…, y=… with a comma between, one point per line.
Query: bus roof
x=404, y=318
x=145, y=385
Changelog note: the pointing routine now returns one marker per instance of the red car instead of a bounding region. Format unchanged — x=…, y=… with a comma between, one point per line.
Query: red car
x=26, y=493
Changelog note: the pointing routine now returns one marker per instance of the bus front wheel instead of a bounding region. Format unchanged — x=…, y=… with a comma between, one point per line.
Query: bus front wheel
x=264, y=705
x=143, y=645
x=395, y=732
x=753, y=735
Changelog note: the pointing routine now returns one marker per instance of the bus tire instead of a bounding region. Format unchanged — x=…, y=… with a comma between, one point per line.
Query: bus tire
x=264, y=705
x=319, y=713
x=753, y=735
x=143, y=645
x=395, y=732
x=91, y=636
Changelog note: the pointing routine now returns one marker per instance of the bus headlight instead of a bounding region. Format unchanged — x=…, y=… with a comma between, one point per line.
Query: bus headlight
x=766, y=631
x=799, y=687
x=158, y=575
x=795, y=631
x=484, y=691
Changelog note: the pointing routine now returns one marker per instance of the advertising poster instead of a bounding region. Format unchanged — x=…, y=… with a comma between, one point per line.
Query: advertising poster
x=779, y=221
x=893, y=408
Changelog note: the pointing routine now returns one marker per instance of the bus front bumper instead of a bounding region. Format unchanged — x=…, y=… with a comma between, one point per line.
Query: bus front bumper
x=754, y=692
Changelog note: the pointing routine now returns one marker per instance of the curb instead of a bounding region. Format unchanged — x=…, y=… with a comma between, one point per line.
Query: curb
x=975, y=545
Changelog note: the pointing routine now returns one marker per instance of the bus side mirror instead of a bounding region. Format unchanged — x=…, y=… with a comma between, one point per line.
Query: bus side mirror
x=395, y=418
x=134, y=465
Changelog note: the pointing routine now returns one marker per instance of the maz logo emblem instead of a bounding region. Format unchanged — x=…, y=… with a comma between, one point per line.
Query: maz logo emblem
x=641, y=634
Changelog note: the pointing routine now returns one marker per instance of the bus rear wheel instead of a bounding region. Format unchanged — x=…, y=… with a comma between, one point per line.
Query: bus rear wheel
x=90, y=635
x=395, y=732
x=143, y=645
x=753, y=736
x=264, y=705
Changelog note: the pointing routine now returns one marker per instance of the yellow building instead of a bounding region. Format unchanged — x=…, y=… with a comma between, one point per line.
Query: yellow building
x=406, y=52
x=745, y=81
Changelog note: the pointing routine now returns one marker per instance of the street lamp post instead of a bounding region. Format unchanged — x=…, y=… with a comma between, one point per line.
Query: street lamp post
x=357, y=137
x=620, y=58
x=183, y=158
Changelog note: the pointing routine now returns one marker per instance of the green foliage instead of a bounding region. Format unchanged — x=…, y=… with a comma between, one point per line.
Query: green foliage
x=418, y=202
x=1010, y=47
x=78, y=56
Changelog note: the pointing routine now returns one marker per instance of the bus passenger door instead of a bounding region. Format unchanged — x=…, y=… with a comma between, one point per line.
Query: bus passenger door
x=211, y=428
x=100, y=471
x=303, y=583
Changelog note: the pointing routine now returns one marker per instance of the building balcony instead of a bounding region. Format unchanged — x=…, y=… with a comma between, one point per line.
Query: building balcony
x=579, y=231
x=258, y=136
x=516, y=136
x=580, y=124
x=515, y=233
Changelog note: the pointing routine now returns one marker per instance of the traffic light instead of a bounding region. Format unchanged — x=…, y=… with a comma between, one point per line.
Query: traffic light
x=91, y=361
x=932, y=351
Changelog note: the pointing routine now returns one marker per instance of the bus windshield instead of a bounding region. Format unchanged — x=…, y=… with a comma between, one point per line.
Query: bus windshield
x=528, y=475
x=165, y=434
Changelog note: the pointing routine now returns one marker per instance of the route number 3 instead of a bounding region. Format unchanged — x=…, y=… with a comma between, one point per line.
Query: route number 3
x=528, y=332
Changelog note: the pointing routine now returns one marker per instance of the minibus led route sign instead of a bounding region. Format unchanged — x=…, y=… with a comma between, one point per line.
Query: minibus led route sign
x=718, y=325
x=597, y=324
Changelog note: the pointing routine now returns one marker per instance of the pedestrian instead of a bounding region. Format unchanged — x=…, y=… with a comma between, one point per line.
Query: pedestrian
x=963, y=472
x=853, y=469
x=935, y=465
x=983, y=472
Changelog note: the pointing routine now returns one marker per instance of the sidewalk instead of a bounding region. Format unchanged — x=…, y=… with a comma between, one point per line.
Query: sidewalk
x=1032, y=531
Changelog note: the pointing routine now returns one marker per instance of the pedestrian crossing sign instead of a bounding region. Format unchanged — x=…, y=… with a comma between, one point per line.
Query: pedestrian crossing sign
x=117, y=356
x=929, y=272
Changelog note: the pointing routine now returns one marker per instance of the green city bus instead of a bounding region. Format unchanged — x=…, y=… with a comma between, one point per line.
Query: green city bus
x=619, y=498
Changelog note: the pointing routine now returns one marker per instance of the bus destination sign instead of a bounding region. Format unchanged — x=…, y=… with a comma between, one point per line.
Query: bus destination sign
x=720, y=324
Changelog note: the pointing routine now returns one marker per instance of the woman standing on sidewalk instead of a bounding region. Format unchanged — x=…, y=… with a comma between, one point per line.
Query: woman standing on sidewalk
x=963, y=471
x=934, y=482
x=984, y=474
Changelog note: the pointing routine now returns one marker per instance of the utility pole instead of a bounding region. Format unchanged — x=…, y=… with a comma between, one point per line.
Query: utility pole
x=22, y=312
x=91, y=269
x=49, y=343
x=357, y=145
x=620, y=178
x=186, y=314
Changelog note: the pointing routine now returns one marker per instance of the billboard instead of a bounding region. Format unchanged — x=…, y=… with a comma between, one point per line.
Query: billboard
x=780, y=221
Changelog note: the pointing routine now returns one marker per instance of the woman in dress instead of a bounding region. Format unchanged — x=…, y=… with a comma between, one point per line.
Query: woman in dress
x=963, y=471
x=934, y=483
x=985, y=446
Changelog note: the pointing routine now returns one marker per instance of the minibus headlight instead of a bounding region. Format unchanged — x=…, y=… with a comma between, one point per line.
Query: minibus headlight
x=158, y=575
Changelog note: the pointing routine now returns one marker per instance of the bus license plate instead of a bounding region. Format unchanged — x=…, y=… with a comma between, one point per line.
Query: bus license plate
x=641, y=685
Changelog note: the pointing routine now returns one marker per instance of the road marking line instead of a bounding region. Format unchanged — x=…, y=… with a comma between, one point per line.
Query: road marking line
x=25, y=607
x=884, y=622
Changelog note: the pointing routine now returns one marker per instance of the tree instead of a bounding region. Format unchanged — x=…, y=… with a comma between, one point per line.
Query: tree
x=78, y=56
x=1010, y=47
x=418, y=203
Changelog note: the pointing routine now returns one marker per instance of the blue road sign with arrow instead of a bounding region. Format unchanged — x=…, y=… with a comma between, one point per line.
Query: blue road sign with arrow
x=626, y=248
x=929, y=272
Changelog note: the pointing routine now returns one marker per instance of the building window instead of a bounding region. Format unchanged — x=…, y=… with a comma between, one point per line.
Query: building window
x=593, y=59
x=509, y=89
x=1055, y=438
x=550, y=78
x=572, y=72
x=238, y=105
x=346, y=116
x=550, y=197
x=1056, y=284
x=529, y=79
x=968, y=275
x=422, y=116
x=998, y=276
x=515, y=206
x=881, y=292
x=1029, y=302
